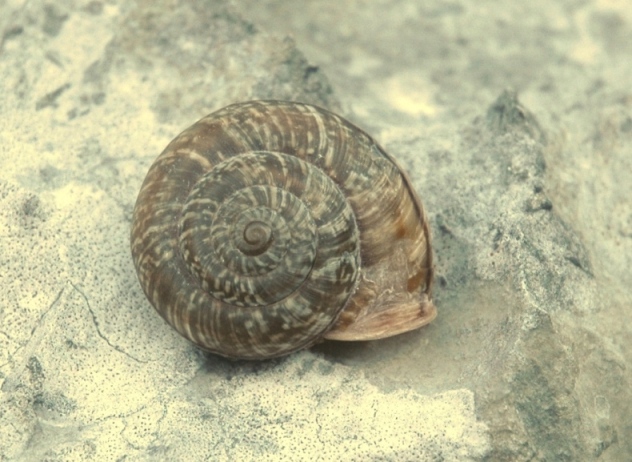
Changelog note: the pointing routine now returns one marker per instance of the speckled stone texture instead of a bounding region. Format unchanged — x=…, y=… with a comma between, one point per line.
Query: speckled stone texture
x=514, y=123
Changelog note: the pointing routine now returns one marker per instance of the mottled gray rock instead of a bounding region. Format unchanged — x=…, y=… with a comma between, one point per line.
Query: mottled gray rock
x=530, y=196
x=528, y=192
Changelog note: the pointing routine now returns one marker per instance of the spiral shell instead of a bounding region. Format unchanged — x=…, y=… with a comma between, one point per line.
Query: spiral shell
x=268, y=225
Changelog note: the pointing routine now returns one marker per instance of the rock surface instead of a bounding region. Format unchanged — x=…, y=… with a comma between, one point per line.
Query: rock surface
x=515, y=125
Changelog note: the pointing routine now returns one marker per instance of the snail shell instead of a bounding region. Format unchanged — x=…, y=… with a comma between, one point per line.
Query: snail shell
x=269, y=225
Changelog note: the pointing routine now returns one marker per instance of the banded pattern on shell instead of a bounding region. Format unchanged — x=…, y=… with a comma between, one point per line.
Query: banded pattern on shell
x=268, y=225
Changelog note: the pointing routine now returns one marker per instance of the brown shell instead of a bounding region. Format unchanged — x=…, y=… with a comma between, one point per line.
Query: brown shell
x=269, y=225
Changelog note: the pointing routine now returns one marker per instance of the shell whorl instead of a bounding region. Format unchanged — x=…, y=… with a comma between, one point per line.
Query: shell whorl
x=257, y=226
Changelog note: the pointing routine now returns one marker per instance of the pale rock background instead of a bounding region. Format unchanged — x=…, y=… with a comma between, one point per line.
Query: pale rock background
x=514, y=121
